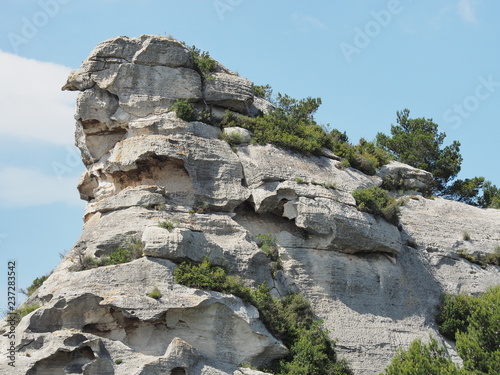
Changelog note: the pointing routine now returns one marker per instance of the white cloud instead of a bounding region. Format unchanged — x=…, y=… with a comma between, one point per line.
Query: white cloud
x=306, y=22
x=467, y=10
x=23, y=187
x=33, y=105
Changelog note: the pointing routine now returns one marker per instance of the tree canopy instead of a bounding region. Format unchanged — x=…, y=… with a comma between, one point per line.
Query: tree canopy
x=418, y=143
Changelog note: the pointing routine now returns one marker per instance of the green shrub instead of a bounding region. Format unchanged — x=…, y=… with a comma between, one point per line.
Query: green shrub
x=290, y=125
x=84, y=262
x=155, y=293
x=131, y=250
x=300, y=180
x=474, y=322
x=263, y=91
x=207, y=276
x=183, y=109
x=418, y=143
x=290, y=319
x=168, y=225
x=454, y=312
x=37, y=283
x=233, y=138
x=493, y=259
x=119, y=361
x=377, y=201
x=422, y=359
x=481, y=260
x=203, y=63
x=365, y=156
x=267, y=243
x=466, y=235
x=201, y=207
x=479, y=345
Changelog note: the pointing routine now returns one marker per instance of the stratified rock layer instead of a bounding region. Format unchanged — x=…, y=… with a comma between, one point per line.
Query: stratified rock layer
x=375, y=285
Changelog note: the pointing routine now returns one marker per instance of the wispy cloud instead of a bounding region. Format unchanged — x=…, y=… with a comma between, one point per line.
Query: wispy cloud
x=33, y=105
x=467, y=10
x=23, y=187
x=305, y=22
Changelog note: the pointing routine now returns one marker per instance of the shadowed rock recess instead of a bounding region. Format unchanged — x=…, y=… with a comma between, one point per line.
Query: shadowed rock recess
x=375, y=285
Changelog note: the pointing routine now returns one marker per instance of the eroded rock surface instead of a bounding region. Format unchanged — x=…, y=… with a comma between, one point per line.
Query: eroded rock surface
x=185, y=194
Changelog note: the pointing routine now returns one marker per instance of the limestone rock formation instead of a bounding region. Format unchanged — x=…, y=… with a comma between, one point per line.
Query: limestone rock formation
x=376, y=285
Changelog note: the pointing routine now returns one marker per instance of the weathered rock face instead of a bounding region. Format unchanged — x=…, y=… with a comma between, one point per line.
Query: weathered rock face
x=375, y=285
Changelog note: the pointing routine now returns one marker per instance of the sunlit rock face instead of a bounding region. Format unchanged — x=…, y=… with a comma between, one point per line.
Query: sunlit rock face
x=375, y=285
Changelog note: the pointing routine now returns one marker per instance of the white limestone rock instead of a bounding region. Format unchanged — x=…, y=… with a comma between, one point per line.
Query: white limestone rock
x=229, y=91
x=402, y=176
x=179, y=192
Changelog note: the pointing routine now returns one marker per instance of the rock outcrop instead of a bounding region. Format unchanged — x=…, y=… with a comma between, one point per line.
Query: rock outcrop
x=376, y=285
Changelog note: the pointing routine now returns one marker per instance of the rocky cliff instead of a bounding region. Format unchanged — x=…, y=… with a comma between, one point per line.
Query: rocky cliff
x=376, y=285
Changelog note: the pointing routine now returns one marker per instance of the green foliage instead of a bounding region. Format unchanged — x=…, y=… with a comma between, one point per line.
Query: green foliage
x=84, y=262
x=267, y=243
x=365, y=156
x=233, y=138
x=168, y=225
x=37, y=283
x=119, y=361
x=474, y=322
x=118, y=256
x=203, y=62
x=201, y=207
x=312, y=182
x=479, y=345
x=290, y=125
x=377, y=201
x=131, y=250
x=183, y=109
x=417, y=142
x=422, y=359
x=263, y=91
x=155, y=293
x=290, y=319
x=207, y=276
x=474, y=191
x=453, y=314
x=300, y=180
x=466, y=235
x=490, y=197
x=481, y=260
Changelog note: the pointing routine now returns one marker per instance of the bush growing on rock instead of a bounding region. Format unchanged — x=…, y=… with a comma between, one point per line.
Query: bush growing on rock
x=203, y=62
x=453, y=314
x=417, y=142
x=290, y=319
x=263, y=91
x=479, y=344
x=290, y=125
x=422, y=359
x=130, y=251
x=37, y=283
x=377, y=201
x=474, y=322
x=183, y=109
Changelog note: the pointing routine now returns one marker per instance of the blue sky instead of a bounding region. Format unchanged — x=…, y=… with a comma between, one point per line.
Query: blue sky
x=366, y=60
